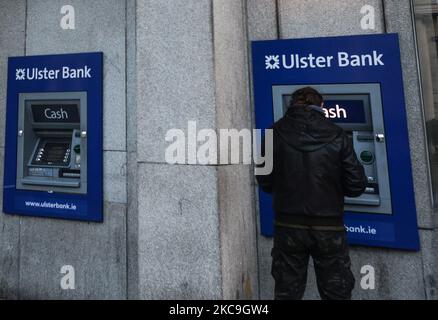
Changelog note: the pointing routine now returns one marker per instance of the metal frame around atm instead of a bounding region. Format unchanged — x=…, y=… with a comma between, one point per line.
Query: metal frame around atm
x=52, y=97
x=373, y=90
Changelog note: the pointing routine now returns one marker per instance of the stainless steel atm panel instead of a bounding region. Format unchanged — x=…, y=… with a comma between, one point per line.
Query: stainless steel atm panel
x=52, y=142
x=366, y=129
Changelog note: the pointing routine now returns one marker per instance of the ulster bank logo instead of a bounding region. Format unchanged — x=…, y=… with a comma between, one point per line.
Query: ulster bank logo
x=272, y=62
x=313, y=61
x=52, y=74
x=20, y=74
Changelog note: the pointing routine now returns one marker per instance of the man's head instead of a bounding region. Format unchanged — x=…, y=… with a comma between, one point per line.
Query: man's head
x=305, y=97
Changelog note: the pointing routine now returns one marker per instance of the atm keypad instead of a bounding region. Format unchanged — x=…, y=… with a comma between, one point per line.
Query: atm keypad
x=53, y=153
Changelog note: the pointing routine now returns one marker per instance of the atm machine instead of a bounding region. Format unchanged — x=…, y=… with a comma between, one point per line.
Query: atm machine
x=368, y=103
x=349, y=106
x=53, y=157
x=52, y=142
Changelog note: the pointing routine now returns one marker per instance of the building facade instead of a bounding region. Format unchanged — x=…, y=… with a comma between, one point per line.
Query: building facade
x=192, y=231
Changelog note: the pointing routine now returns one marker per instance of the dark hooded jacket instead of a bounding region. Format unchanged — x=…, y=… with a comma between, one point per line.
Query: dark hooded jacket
x=314, y=167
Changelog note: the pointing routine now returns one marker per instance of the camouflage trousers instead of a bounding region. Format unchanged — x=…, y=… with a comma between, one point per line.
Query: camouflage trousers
x=290, y=259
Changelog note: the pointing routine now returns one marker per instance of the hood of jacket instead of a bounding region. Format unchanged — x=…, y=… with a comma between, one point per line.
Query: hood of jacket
x=306, y=128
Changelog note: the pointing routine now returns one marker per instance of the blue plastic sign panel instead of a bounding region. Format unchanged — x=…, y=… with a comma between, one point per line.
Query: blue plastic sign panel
x=52, y=75
x=364, y=59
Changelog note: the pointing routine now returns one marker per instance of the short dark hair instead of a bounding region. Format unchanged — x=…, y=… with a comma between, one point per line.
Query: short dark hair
x=306, y=96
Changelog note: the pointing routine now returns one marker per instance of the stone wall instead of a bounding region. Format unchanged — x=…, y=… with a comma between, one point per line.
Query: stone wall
x=187, y=231
x=399, y=274
x=35, y=249
x=170, y=231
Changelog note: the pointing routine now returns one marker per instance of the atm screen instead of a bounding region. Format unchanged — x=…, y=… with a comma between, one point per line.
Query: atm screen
x=350, y=111
x=346, y=111
x=55, y=113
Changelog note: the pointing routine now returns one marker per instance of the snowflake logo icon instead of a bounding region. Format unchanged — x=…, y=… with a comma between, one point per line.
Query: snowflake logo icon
x=20, y=74
x=272, y=62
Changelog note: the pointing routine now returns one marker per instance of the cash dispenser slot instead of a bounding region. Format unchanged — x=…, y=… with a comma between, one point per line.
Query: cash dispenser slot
x=365, y=137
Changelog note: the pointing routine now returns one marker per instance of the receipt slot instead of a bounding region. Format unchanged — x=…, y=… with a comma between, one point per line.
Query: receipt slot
x=52, y=142
x=360, y=78
x=357, y=108
x=53, y=164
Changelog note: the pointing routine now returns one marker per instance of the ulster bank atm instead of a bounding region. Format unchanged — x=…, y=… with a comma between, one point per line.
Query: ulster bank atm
x=361, y=81
x=53, y=153
x=52, y=142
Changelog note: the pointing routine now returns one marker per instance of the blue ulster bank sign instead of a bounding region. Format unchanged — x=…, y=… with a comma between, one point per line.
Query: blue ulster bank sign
x=360, y=78
x=53, y=152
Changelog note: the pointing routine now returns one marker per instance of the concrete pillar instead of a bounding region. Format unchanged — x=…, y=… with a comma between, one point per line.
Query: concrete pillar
x=233, y=110
x=263, y=25
x=399, y=19
x=196, y=232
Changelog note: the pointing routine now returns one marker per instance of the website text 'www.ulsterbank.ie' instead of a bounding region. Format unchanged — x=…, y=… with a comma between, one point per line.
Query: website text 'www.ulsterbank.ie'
x=50, y=205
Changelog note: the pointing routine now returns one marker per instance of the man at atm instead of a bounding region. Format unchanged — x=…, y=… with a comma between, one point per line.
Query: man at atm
x=315, y=167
